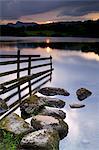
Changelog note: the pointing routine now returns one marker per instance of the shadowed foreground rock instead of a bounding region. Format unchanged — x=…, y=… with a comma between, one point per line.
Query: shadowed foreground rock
x=15, y=124
x=77, y=105
x=83, y=93
x=51, y=91
x=48, y=122
x=34, y=104
x=55, y=112
x=41, y=140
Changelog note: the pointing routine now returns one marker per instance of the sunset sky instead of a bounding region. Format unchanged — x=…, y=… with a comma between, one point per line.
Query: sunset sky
x=46, y=11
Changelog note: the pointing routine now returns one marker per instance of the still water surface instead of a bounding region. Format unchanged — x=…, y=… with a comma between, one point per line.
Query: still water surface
x=73, y=69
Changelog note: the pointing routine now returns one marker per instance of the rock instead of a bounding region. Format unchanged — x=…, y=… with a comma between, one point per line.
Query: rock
x=34, y=104
x=3, y=106
x=15, y=124
x=48, y=122
x=53, y=102
x=51, y=91
x=41, y=140
x=77, y=105
x=2, y=111
x=49, y=111
x=83, y=93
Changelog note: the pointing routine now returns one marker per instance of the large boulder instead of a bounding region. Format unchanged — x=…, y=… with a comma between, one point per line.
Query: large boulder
x=3, y=106
x=77, y=105
x=83, y=93
x=34, y=104
x=48, y=122
x=53, y=102
x=51, y=91
x=41, y=140
x=15, y=124
x=55, y=112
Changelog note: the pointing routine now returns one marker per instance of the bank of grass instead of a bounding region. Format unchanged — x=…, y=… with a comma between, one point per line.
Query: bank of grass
x=8, y=141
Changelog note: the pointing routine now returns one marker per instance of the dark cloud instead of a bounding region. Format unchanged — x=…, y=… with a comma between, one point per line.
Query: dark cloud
x=14, y=9
x=79, y=8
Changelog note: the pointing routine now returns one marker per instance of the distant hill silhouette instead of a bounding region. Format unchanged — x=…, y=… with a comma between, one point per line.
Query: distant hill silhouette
x=22, y=24
x=58, y=29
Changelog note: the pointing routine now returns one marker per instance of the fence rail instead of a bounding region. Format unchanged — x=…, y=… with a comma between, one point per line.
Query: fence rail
x=42, y=77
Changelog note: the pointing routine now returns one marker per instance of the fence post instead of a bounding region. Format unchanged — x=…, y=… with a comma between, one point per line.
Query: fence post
x=18, y=72
x=29, y=73
x=51, y=68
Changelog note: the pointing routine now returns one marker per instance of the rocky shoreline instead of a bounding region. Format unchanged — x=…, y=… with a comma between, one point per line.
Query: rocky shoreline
x=47, y=126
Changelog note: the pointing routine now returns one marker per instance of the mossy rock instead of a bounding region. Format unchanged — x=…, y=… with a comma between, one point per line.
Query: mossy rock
x=32, y=105
x=15, y=124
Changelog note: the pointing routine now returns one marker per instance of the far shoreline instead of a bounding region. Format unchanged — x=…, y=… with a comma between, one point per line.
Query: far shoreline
x=46, y=39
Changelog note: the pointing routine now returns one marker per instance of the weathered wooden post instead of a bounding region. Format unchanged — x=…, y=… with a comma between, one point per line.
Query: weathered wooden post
x=29, y=73
x=51, y=68
x=18, y=72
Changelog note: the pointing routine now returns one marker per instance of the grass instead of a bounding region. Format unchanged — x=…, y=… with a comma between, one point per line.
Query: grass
x=8, y=141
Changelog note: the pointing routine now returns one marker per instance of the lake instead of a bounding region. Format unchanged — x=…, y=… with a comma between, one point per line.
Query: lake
x=76, y=65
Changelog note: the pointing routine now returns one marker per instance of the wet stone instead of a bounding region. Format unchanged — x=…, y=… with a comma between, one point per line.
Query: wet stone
x=34, y=104
x=83, y=93
x=77, y=105
x=55, y=112
x=51, y=91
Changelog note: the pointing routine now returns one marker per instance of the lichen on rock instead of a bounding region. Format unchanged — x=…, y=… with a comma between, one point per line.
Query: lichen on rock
x=15, y=124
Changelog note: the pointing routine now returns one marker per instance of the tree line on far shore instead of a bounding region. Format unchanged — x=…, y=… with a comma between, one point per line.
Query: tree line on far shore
x=56, y=29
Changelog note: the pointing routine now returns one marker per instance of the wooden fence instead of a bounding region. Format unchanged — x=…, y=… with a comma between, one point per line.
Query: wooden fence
x=44, y=75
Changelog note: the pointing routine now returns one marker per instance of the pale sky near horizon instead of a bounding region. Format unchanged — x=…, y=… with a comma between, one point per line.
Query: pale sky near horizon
x=45, y=11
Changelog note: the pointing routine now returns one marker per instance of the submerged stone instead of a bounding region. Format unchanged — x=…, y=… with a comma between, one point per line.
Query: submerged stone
x=51, y=91
x=83, y=93
x=15, y=124
x=77, y=105
x=48, y=122
x=57, y=113
x=41, y=140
